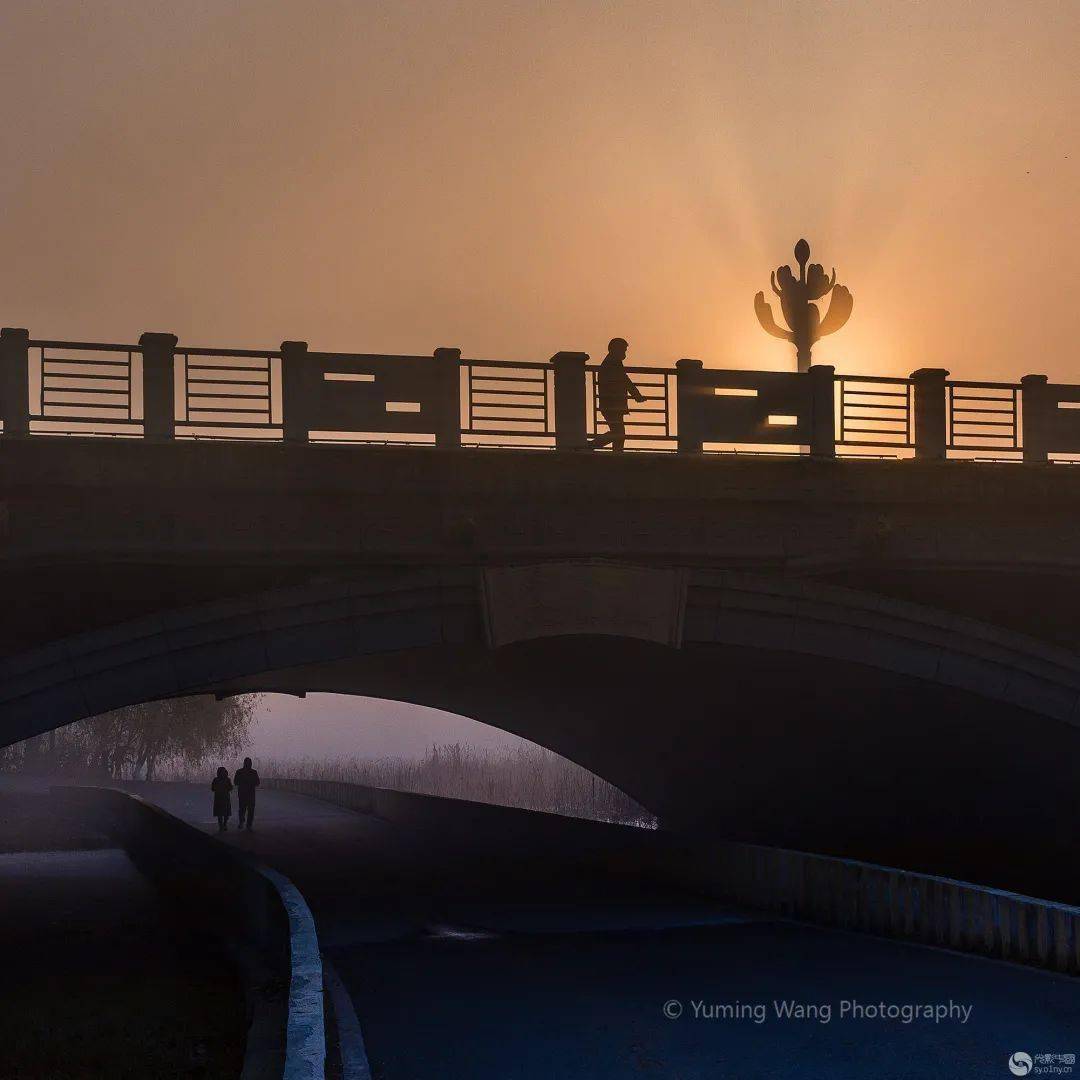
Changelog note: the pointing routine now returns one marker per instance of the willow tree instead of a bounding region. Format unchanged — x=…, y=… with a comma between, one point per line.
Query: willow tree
x=139, y=740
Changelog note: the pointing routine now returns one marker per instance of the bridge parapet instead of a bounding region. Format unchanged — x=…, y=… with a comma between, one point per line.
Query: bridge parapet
x=158, y=389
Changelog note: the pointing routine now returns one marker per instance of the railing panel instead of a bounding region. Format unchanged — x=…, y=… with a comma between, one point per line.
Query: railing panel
x=1062, y=418
x=760, y=408
x=372, y=397
x=85, y=389
x=227, y=395
x=875, y=412
x=983, y=417
x=507, y=404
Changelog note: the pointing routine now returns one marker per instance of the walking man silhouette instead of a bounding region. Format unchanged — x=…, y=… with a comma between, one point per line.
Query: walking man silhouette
x=246, y=780
x=613, y=386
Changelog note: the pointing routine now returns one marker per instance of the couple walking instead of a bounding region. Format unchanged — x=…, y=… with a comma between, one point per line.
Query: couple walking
x=245, y=781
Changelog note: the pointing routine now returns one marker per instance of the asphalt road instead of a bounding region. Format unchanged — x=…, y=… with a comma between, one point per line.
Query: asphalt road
x=568, y=977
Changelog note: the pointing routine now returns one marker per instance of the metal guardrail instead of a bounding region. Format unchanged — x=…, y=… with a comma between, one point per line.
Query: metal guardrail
x=158, y=390
x=508, y=404
x=984, y=416
x=876, y=412
x=229, y=393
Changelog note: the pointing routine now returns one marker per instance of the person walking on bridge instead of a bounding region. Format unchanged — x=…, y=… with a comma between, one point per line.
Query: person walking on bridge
x=221, y=785
x=246, y=780
x=613, y=386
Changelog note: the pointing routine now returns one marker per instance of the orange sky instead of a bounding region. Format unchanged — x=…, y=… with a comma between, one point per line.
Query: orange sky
x=515, y=179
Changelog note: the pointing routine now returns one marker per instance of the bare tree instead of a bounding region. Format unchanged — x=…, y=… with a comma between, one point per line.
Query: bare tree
x=138, y=740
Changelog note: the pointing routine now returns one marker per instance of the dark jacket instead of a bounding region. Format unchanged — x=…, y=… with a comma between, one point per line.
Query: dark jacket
x=613, y=386
x=221, y=787
x=246, y=780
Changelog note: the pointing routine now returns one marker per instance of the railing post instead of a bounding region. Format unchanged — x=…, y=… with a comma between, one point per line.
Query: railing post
x=15, y=380
x=930, y=434
x=295, y=394
x=688, y=391
x=569, y=370
x=448, y=421
x=158, y=386
x=1037, y=418
x=822, y=410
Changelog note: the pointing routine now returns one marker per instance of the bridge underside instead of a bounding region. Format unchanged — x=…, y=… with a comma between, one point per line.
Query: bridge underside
x=769, y=747
x=755, y=709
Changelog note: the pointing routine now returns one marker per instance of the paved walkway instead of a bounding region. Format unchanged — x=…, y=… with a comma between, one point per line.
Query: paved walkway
x=569, y=978
x=98, y=980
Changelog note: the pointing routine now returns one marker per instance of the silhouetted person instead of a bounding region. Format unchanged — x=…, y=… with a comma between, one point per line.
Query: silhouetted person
x=613, y=386
x=246, y=780
x=221, y=786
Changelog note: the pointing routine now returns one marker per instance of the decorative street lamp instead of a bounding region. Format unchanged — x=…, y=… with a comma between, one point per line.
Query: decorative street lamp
x=805, y=324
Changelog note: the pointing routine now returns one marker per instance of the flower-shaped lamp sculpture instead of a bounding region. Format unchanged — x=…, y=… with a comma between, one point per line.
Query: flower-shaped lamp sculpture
x=797, y=296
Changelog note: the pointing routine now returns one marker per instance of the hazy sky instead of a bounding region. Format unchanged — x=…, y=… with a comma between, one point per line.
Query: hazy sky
x=519, y=178
x=333, y=725
x=515, y=179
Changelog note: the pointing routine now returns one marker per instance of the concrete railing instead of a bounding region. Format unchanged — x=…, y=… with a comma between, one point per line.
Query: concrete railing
x=159, y=389
x=842, y=893
x=264, y=913
x=888, y=902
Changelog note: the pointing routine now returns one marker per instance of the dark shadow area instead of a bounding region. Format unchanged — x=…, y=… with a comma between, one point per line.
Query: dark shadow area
x=100, y=977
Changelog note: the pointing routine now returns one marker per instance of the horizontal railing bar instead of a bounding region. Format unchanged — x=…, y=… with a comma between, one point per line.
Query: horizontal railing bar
x=879, y=419
x=525, y=364
x=226, y=408
x=873, y=405
x=869, y=431
x=510, y=393
x=78, y=382
x=495, y=409
x=846, y=394
x=67, y=379
x=254, y=354
x=875, y=379
x=504, y=378
x=993, y=449
x=82, y=346
x=993, y=400
x=233, y=377
x=104, y=413
x=983, y=423
x=984, y=385
x=83, y=361
x=505, y=432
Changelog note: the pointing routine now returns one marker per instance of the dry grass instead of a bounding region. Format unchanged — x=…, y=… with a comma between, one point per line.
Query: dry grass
x=529, y=777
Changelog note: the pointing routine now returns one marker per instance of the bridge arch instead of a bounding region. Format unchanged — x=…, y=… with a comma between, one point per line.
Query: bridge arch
x=765, y=709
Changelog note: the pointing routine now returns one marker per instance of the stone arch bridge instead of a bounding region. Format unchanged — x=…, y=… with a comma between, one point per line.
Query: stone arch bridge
x=875, y=659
